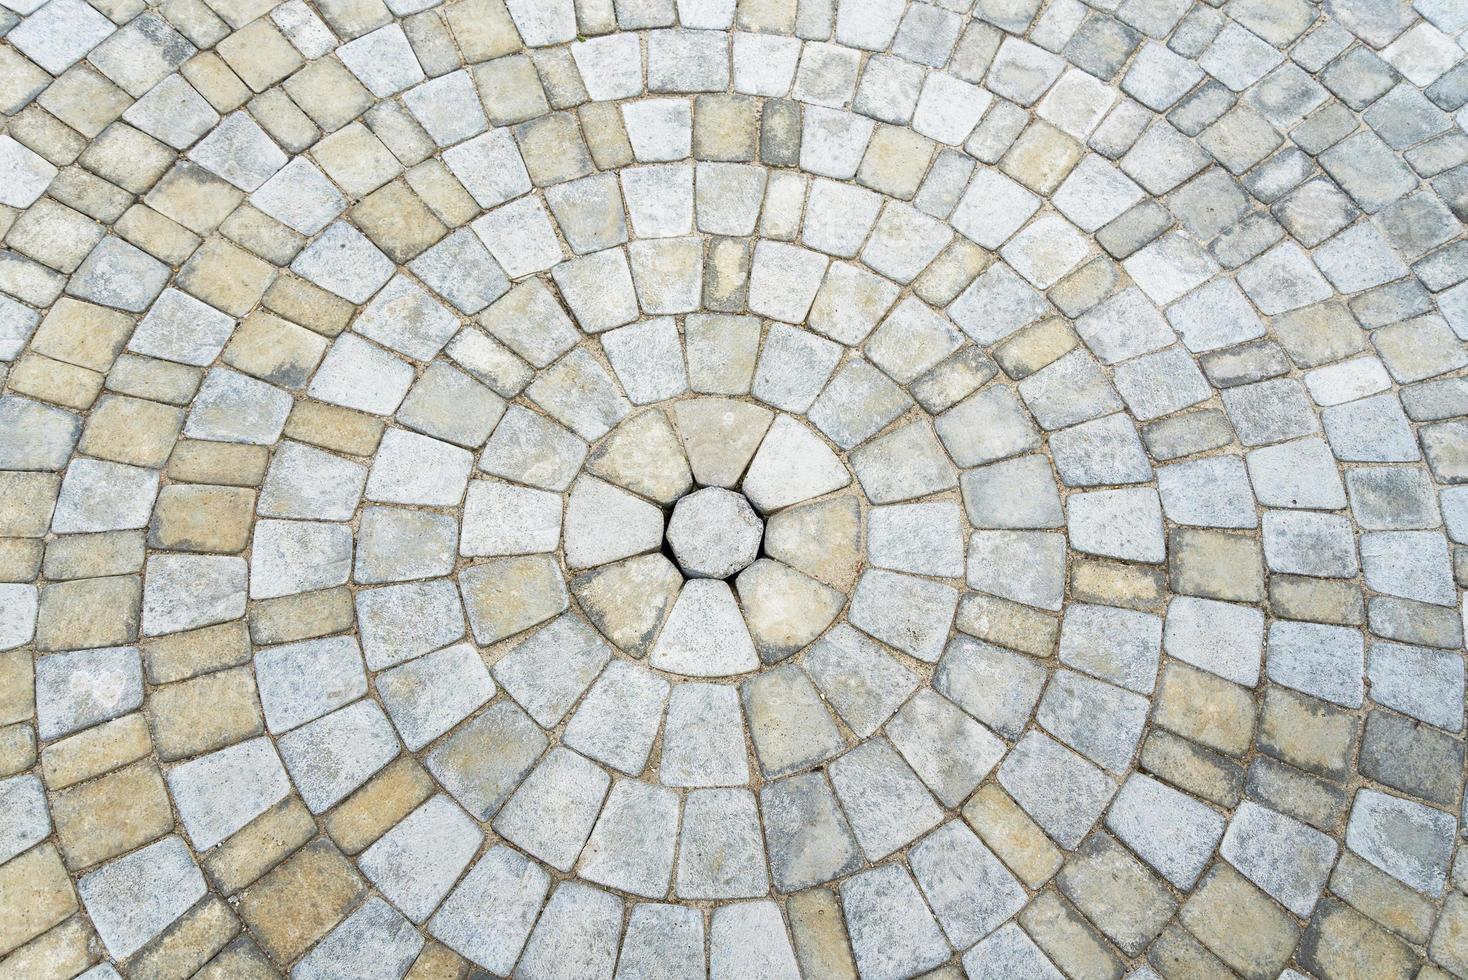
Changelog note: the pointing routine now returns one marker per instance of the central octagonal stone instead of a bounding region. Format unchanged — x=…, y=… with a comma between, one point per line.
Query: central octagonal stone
x=714, y=533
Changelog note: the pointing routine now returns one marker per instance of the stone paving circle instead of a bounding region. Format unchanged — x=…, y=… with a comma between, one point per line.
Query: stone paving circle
x=745, y=489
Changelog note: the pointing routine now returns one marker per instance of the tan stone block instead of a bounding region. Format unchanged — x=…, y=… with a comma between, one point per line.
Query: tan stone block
x=1450, y=940
x=55, y=381
x=275, y=350
x=111, y=815
x=483, y=29
x=725, y=127
x=258, y=233
x=131, y=430
x=1010, y=833
x=333, y=427
x=301, y=900
x=1069, y=941
x=1217, y=564
x=1205, y=708
x=1240, y=924
x=726, y=274
x=224, y=463
x=353, y=18
x=1192, y=768
x=821, y=948
x=90, y=194
x=204, y=713
x=1385, y=899
x=951, y=272
x=63, y=952
x=43, y=133
x=127, y=157
x=194, y=198
x=89, y=612
x=1310, y=734
x=284, y=120
x=328, y=93
x=1035, y=346
x=188, y=944
x=20, y=559
x=301, y=617
x=226, y=277
x=17, y=686
x=1041, y=158
x=375, y=808
x=767, y=16
x=155, y=380
x=398, y=222
x=95, y=751
x=356, y=160
x=1342, y=944
x=72, y=556
x=161, y=237
x=606, y=137
x=179, y=656
x=309, y=305
x=260, y=845
x=437, y=962
x=1117, y=584
x=17, y=748
x=240, y=960
x=259, y=54
x=85, y=100
x=442, y=192
x=1008, y=624
x=1317, y=600
x=1177, y=954
x=895, y=162
x=201, y=517
x=26, y=502
x=54, y=235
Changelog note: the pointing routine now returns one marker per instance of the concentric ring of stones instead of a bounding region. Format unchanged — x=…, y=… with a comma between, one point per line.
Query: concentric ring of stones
x=745, y=488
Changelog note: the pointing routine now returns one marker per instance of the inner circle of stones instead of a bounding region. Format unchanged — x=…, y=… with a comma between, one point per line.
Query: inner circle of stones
x=943, y=681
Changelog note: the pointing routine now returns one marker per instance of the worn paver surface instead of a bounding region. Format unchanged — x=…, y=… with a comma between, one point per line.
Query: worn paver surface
x=733, y=488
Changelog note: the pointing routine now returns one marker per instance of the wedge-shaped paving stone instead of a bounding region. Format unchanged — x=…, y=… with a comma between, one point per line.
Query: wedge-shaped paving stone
x=629, y=601
x=550, y=669
x=605, y=524
x=911, y=614
x=1284, y=857
x=885, y=801
x=1409, y=841
x=948, y=750
x=300, y=682
x=703, y=739
x=892, y=932
x=484, y=759
x=137, y=896
x=705, y=634
x=335, y=754
x=967, y=887
x=859, y=679
x=219, y=793
x=416, y=863
x=784, y=609
x=373, y=940
x=505, y=596
x=553, y=811
x=619, y=718
x=1171, y=831
x=488, y=917
x=428, y=696
x=631, y=847
x=721, y=855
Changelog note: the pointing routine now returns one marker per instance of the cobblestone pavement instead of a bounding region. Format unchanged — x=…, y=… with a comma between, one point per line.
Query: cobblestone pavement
x=745, y=488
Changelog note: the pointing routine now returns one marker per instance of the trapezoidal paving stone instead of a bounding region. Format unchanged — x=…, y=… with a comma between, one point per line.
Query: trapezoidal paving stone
x=733, y=488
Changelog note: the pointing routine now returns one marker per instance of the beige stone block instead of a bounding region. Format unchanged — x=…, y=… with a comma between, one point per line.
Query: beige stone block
x=1216, y=564
x=72, y=556
x=188, y=944
x=163, y=238
x=179, y=656
x=261, y=235
x=55, y=381
x=89, y=612
x=225, y=463
x=821, y=948
x=204, y=713
x=1010, y=833
x=376, y=807
x=17, y=748
x=301, y=617
x=259, y=54
x=216, y=81
x=1205, y=708
x=111, y=815
x=226, y=277
x=131, y=430
x=201, y=517
x=194, y=198
x=260, y=845
x=895, y=162
x=65, y=951
x=328, y=93
x=155, y=380
x=97, y=750
x=301, y=900
x=275, y=350
x=309, y=305
x=333, y=427
x=26, y=502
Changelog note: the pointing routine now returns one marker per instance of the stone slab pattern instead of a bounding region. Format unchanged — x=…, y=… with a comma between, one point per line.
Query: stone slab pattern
x=1095, y=369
